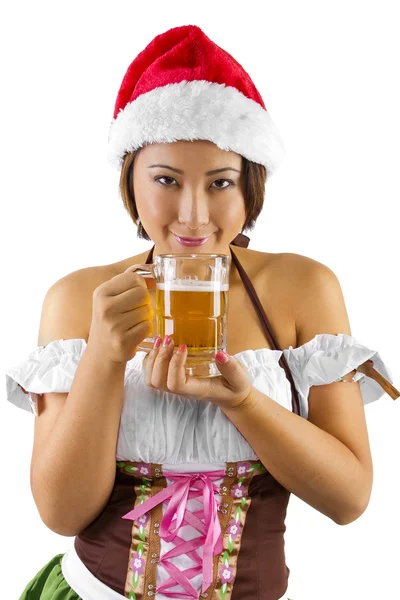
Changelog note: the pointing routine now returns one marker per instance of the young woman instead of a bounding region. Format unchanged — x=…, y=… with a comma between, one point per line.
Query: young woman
x=177, y=487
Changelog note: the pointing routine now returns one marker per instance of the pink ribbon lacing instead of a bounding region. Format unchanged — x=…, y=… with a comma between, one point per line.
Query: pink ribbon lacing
x=177, y=514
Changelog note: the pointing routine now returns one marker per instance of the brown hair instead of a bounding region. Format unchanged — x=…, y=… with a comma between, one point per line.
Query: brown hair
x=255, y=176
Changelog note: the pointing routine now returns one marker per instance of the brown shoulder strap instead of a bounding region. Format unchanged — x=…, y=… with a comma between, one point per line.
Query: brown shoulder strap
x=269, y=334
x=256, y=303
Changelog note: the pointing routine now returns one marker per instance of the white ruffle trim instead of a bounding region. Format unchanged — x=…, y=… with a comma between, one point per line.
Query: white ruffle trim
x=47, y=369
x=326, y=358
x=322, y=360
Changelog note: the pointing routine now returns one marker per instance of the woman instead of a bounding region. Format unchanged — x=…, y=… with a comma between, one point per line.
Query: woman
x=196, y=503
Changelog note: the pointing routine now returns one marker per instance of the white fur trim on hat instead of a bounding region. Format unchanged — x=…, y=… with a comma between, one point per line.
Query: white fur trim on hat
x=198, y=109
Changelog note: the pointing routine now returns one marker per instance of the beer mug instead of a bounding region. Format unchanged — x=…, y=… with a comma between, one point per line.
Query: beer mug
x=191, y=306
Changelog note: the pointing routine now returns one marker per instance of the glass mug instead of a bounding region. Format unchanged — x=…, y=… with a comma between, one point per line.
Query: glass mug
x=191, y=306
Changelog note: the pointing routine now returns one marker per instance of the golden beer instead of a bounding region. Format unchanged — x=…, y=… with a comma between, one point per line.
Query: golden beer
x=191, y=306
x=193, y=313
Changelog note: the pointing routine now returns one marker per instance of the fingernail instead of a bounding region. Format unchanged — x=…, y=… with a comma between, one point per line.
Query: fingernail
x=167, y=340
x=157, y=342
x=221, y=357
x=181, y=348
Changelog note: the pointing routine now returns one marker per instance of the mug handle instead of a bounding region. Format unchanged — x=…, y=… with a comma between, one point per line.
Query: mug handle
x=146, y=271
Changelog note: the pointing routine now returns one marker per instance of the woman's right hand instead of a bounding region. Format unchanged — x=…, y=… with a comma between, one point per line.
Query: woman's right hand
x=121, y=316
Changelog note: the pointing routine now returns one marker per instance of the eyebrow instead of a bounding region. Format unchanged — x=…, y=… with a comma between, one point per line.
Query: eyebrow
x=213, y=172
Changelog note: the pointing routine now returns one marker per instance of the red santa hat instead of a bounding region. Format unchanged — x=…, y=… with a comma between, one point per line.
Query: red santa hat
x=183, y=86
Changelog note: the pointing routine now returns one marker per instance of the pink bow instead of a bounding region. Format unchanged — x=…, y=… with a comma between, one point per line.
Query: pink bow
x=179, y=493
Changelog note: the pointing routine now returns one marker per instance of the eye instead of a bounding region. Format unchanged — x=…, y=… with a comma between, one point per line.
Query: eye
x=158, y=179
x=226, y=180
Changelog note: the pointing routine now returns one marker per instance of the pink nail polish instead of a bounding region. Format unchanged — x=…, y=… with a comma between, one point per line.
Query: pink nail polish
x=182, y=348
x=167, y=340
x=157, y=342
x=221, y=357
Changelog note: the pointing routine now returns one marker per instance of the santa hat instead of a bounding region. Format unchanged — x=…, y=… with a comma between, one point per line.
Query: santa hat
x=183, y=86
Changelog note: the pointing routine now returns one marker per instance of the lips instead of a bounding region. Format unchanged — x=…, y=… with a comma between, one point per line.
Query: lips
x=190, y=241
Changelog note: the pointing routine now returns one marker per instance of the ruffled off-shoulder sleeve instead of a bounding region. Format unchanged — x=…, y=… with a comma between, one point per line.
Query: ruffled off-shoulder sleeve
x=327, y=358
x=47, y=369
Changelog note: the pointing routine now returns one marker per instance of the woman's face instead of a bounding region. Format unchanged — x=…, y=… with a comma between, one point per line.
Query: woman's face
x=187, y=200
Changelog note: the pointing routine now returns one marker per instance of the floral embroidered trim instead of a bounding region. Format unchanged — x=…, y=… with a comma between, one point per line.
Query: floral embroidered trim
x=231, y=539
x=134, y=585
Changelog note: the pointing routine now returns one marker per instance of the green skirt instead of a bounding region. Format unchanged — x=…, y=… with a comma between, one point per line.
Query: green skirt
x=49, y=584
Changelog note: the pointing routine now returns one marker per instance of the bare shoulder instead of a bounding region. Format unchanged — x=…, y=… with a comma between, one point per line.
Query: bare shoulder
x=317, y=300
x=81, y=284
x=304, y=288
x=296, y=262
x=298, y=273
x=67, y=306
x=288, y=270
x=290, y=278
x=87, y=278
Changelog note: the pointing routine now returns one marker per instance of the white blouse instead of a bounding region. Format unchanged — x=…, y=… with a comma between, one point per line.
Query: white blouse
x=163, y=427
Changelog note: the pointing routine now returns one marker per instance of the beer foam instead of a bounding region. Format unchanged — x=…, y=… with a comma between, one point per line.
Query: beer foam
x=193, y=285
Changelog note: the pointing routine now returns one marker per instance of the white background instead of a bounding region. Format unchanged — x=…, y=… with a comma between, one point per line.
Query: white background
x=328, y=73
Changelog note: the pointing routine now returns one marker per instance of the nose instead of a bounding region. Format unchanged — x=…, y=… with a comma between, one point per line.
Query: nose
x=193, y=212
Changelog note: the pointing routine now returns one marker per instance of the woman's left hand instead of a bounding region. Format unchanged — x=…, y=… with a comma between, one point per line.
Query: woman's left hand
x=164, y=370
